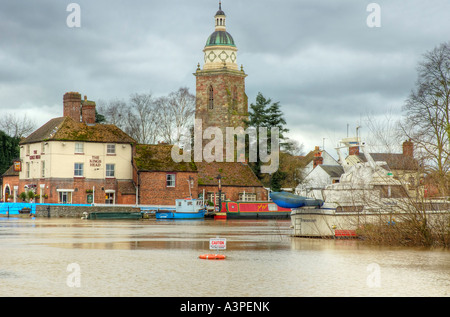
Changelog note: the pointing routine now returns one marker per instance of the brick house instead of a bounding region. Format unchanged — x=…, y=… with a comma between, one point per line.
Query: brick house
x=160, y=180
x=71, y=159
x=237, y=180
x=403, y=166
x=10, y=182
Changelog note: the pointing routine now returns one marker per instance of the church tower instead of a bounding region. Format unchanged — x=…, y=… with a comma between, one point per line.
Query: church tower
x=220, y=85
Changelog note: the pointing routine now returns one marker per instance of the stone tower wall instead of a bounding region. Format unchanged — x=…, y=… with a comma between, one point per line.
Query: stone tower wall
x=230, y=100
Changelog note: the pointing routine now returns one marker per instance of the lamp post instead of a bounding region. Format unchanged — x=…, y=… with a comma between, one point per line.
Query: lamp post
x=220, y=192
x=190, y=183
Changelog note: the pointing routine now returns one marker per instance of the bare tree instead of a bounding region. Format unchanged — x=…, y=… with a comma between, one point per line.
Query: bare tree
x=114, y=112
x=293, y=147
x=177, y=113
x=427, y=110
x=17, y=126
x=143, y=119
x=148, y=119
x=384, y=134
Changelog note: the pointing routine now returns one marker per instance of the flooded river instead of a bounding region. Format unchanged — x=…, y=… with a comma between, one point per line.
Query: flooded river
x=74, y=257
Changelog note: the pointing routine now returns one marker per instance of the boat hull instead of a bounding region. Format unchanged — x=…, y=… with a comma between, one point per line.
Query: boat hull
x=114, y=215
x=179, y=215
x=288, y=200
x=255, y=210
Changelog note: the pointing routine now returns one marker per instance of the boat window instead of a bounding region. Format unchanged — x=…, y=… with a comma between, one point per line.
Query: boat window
x=392, y=191
x=349, y=208
x=179, y=203
x=189, y=203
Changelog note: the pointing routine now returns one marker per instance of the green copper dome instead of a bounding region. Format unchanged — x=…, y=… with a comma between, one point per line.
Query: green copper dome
x=220, y=38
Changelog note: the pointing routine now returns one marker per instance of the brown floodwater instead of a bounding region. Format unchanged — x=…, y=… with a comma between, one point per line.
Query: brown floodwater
x=75, y=257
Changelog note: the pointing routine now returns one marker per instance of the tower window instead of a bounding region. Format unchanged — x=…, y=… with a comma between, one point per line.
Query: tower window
x=211, y=98
x=235, y=97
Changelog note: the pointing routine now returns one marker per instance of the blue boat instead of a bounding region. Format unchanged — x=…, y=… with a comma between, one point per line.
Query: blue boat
x=184, y=209
x=288, y=200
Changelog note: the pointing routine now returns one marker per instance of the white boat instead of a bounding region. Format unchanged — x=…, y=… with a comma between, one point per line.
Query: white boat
x=188, y=208
x=365, y=192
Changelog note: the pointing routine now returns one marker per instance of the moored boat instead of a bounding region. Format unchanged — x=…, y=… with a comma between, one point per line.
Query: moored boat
x=113, y=215
x=254, y=210
x=288, y=200
x=366, y=193
x=184, y=209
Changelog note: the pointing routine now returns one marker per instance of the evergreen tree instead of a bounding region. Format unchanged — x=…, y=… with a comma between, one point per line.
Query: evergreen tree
x=264, y=113
x=9, y=150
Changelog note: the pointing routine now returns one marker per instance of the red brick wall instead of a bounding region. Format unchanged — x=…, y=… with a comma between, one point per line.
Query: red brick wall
x=79, y=185
x=153, y=189
x=88, y=113
x=72, y=105
x=11, y=181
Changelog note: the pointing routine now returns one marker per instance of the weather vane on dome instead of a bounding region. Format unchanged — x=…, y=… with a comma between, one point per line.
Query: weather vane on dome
x=220, y=5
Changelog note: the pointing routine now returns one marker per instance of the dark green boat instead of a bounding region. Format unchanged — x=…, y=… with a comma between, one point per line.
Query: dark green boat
x=114, y=215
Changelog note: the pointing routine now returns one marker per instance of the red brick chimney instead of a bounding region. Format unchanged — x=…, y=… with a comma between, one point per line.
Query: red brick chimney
x=354, y=150
x=88, y=111
x=318, y=159
x=72, y=105
x=408, y=148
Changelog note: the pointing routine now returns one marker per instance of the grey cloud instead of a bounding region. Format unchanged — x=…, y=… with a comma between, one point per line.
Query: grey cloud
x=318, y=58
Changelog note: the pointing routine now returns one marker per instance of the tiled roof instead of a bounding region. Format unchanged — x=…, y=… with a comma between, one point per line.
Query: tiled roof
x=333, y=170
x=10, y=172
x=158, y=157
x=232, y=173
x=67, y=129
x=126, y=187
x=394, y=161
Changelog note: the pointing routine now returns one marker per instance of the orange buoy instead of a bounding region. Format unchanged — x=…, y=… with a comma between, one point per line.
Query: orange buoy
x=212, y=256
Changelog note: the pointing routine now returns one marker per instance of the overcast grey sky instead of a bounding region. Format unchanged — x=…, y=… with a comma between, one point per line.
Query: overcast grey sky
x=318, y=58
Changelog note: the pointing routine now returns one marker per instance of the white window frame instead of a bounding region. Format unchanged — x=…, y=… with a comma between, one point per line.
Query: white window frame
x=110, y=197
x=79, y=147
x=42, y=169
x=214, y=197
x=108, y=170
x=170, y=180
x=75, y=169
x=247, y=196
x=110, y=149
x=67, y=193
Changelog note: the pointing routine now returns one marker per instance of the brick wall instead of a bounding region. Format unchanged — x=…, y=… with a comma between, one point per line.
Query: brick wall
x=10, y=181
x=232, y=192
x=230, y=100
x=72, y=105
x=153, y=189
x=88, y=112
x=80, y=186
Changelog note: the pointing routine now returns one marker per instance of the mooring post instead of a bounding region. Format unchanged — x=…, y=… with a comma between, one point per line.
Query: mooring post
x=48, y=211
